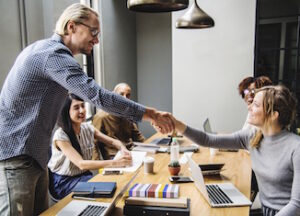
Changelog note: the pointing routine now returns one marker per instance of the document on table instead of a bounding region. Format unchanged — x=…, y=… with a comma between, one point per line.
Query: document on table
x=137, y=160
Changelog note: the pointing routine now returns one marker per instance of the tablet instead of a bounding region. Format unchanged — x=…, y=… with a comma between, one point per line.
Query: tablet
x=162, y=141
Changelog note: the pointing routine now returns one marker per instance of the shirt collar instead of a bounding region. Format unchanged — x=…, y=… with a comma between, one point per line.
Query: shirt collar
x=58, y=38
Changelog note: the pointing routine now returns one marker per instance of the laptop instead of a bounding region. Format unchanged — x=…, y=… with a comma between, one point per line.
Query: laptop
x=207, y=127
x=218, y=194
x=89, y=208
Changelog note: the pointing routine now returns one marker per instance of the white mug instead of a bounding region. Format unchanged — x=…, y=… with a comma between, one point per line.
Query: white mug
x=148, y=164
x=213, y=151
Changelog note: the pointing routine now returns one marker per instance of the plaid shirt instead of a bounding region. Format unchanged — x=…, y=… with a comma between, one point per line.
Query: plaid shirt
x=34, y=92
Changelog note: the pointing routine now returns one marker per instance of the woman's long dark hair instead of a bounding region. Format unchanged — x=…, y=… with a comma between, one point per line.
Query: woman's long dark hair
x=65, y=122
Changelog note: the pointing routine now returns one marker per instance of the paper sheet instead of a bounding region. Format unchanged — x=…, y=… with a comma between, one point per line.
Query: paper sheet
x=137, y=160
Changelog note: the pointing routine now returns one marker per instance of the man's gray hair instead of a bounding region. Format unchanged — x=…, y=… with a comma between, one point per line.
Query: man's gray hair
x=118, y=86
x=77, y=13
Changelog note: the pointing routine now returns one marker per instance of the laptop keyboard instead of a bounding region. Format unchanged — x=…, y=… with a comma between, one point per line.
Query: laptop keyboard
x=93, y=210
x=216, y=195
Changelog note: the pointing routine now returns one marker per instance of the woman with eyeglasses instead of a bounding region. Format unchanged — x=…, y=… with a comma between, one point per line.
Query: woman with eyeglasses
x=248, y=85
x=72, y=149
x=274, y=151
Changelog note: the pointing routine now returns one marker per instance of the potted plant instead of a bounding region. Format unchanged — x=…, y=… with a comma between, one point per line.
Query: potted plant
x=174, y=168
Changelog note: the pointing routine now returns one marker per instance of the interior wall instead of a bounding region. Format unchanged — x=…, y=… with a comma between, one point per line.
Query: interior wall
x=40, y=18
x=118, y=32
x=154, y=63
x=10, y=24
x=208, y=65
x=10, y=40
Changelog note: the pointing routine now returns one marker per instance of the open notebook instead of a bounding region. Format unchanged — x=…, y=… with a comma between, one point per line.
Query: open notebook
x=89, y=208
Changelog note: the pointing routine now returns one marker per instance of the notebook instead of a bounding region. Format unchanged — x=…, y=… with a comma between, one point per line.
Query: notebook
x=145, y=147
x=94, y=189
x=154, y=190
x=89, y=208
x=219, y=194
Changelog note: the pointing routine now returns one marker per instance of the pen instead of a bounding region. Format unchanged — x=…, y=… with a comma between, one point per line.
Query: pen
x=84, y=198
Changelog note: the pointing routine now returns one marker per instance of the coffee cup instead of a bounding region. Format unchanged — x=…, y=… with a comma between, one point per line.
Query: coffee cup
x=213, y=151
x=148, y=164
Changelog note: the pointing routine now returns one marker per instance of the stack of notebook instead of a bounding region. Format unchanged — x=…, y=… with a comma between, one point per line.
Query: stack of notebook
x=154, y=190
x=156, y=206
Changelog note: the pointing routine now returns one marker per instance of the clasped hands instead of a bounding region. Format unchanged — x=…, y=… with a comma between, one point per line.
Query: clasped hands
x=163, y=122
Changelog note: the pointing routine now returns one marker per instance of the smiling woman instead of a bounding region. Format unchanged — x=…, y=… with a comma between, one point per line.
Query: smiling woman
x=72, y=149
x=273, y=110
x=275, y=152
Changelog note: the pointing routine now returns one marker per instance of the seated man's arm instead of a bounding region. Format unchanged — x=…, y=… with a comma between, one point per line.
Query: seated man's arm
x=110, y=141
x=137, y=135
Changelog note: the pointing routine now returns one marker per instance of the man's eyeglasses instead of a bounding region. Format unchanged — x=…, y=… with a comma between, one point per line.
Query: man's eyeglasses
x=249, y=92
x=94, y=31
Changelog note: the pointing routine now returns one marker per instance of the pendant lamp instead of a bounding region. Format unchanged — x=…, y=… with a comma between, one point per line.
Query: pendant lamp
x=195, y=17
x=154, y=6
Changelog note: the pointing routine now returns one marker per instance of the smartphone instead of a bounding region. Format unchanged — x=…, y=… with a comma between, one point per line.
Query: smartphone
x=112, y=172
x=180, y=179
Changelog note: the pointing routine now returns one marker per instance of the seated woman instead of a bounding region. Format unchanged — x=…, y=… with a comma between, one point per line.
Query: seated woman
x=72, y=149
x=274, y=151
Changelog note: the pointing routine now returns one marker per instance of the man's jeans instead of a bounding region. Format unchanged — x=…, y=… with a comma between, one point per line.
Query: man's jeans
x=23, y=187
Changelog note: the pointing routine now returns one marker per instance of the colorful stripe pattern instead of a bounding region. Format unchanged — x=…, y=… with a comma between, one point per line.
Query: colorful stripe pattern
x=154, y=190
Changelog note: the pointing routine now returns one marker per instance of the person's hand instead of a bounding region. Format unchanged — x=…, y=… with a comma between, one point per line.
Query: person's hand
x=125, y=151
x=179, y=126
x=161, y=121
x=123, y=161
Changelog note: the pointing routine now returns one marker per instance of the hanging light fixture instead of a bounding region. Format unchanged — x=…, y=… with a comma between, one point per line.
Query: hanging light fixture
x=195, y=17
x=153, y=6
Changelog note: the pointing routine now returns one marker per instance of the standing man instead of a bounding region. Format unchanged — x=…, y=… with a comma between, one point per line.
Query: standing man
x=117, y=127
x=31, y=98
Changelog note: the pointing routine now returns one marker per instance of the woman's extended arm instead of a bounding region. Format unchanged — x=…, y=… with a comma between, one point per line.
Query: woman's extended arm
x=237, y=140
x=82, y=164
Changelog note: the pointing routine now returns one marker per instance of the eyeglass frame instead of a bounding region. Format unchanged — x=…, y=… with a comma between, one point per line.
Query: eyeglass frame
x=248, y=91
x=94, y=32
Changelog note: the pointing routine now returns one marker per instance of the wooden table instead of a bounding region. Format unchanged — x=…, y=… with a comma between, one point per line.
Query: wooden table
x=237, y=171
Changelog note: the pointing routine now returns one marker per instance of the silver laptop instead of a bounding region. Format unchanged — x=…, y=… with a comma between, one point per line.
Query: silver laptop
x=207, y=127
x=89, y=208
x=219, y=194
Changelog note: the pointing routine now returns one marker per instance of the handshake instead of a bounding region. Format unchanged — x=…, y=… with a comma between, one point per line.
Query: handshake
x=163, y=122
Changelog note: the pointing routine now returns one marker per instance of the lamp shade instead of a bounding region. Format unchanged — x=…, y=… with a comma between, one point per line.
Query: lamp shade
x=154, y=6
x=195, y=17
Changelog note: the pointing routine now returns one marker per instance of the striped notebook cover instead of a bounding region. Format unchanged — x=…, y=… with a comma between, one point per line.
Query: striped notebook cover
x=154, y=190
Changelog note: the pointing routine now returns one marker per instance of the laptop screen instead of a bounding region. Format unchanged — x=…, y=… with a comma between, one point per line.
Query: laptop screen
x=206, y=126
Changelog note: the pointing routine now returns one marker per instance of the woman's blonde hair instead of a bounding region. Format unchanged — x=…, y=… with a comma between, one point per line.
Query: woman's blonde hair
x=76, y=12
x=276, y=99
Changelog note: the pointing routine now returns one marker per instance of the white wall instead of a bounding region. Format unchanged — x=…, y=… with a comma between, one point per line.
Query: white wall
x=154, y=63
x=118, y=44
x=208, y=65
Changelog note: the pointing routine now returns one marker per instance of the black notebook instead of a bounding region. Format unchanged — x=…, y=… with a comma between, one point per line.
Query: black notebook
x=94, y=189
